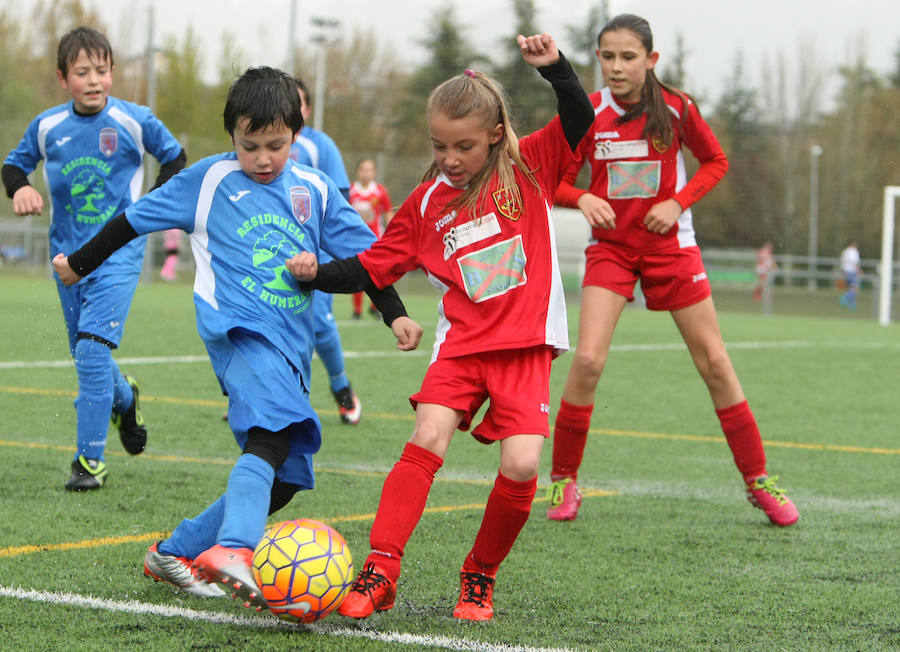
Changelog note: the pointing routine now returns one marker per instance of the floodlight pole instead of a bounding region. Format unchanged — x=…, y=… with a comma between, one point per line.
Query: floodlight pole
x=292, y=21
x=814, y=153
x=321, y=38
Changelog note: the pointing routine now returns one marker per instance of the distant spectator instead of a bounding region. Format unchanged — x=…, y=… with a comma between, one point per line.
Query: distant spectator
x=852, y=271
x=765, y=265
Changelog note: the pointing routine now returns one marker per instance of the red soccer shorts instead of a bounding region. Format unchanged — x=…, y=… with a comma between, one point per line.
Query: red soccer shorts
x=517, y=382
x=670, y=279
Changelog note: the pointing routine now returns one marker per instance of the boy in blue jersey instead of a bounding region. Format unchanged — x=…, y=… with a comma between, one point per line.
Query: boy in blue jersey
x=247, y=211
x=93, y=149
x=316, y=149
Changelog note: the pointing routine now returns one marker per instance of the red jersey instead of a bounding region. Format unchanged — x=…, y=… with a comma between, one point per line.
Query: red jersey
x=633, y=173
x=372, y=202
x=497, y=270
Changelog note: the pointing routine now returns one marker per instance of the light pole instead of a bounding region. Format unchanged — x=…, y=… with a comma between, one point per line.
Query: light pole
x=814, y=153
x=321, y=39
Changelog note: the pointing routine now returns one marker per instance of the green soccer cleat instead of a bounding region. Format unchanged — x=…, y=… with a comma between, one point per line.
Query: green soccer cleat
x=86, y=474
x=130, y=423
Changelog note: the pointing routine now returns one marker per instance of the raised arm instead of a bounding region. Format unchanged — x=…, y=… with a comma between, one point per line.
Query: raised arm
x=573, y=105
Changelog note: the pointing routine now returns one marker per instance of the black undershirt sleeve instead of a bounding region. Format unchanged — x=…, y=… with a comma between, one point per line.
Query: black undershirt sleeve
x=14, y=178
x=576, y=113
x=348, y=276
x=170, y=169
x=117, y=233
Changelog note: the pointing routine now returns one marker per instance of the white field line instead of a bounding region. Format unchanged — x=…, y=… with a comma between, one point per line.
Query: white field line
x=623, y=348
x=262, y=622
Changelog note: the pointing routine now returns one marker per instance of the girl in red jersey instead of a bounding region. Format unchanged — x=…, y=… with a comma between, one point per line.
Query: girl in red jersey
x=373, y=203
x=479, y=226
x=638, y=206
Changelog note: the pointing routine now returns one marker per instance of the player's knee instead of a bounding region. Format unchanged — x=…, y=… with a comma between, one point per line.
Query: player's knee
x=273, y=447
x=282, y=492
x=92, y=361
x=589, y=364
x=520, y=469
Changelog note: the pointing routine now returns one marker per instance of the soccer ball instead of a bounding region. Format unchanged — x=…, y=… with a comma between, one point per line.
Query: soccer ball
x=303, y=569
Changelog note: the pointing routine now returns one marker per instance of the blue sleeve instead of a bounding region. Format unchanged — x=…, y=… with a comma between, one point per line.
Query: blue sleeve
x=344, y=234
x=171, y=206
x=158, y=140
x=332, y=164
x=26, y=155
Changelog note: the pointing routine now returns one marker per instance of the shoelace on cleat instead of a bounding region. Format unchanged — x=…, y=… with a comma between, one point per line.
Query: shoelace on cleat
x=770, y=488
x=476, y=587
x=555, y=493
x=367, y=580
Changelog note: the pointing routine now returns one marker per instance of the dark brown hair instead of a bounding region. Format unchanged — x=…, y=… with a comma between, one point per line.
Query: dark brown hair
x=652, y=102
x=88, y=39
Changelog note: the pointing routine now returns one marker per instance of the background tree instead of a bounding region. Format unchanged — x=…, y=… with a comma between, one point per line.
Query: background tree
x=583, y=39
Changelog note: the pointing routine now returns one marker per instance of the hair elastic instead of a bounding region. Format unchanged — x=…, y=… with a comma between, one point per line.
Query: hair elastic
x=470, y=73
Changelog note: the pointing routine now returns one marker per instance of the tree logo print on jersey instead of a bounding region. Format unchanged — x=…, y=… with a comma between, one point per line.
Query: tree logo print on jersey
x=109, y=141
x=87, y=190
x=633, y=179
x=659, y=144
x=494, y=271
x=269, y=253
x=300, y=203
x=506, y=203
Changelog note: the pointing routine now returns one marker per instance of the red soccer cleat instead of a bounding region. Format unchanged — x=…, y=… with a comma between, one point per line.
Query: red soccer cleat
x=371, y=591
x=476, y=596
x=231, y=567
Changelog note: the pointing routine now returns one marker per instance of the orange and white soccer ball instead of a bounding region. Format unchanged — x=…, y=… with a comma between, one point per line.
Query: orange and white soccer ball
x=303, y=569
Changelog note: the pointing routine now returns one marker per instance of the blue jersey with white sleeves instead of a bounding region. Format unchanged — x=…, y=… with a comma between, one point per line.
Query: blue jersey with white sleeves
x=94, y=170
x=316, y=149
x=242, y=232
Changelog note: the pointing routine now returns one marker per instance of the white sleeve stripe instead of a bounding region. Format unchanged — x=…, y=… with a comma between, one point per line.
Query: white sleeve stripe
x=205, y=280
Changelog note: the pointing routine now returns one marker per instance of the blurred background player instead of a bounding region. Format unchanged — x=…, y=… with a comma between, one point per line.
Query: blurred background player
x=171, y=240
x=765, y=265
x=93, y=148
x=372, y=202
x=638, y=206
x=316, y=149
x=851, y=271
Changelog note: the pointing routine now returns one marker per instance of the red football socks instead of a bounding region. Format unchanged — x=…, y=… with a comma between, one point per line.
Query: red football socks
x=570, y=438
x=744, y=439
x=402, y=502
x=507, y=510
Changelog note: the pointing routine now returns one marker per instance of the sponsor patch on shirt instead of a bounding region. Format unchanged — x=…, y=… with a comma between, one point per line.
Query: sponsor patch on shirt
x=470, y=233
x=494, y=270
x=619, y=149
x=632, y=179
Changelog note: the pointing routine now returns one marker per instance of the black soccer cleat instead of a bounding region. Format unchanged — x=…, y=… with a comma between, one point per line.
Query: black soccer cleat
x=130, y=423
x=348, y=405
x=87, y=474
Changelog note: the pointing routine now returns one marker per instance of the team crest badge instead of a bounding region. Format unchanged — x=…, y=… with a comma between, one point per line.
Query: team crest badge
x=506, y=204
x=658, y=144
x=300, y=203
x=109, y=141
